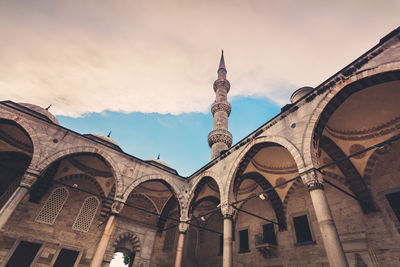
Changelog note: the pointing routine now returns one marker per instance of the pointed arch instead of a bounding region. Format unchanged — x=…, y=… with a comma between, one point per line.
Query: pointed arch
x=29, y=130
x=338, y=93
x=171, y=184
x=49, y=167
x=131, y=238
x=196, y=188
x=242, y=161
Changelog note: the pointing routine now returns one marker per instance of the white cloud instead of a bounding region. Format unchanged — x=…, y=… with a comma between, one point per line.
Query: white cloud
x=162, y=56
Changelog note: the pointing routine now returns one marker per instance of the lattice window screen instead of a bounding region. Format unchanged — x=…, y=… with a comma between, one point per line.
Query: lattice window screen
x=53, y=206
x=86, y=214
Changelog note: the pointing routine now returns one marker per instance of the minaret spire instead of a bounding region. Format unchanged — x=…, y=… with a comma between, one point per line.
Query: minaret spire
x=222, y=62
x=220, y=139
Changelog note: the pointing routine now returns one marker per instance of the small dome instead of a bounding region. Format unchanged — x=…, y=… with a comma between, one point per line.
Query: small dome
x=41, y=111
x=299, y=93
x=161, y=164
x=104, y=140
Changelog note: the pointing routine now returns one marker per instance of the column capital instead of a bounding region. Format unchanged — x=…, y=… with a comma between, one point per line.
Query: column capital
x=183, y=227
x=313, y=180
x=227, y=210
x=29, y=178
x=116, y=207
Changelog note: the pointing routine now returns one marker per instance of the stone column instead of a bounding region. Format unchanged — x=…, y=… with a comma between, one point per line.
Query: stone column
x=330, y=236
x=98, y=257
x=183, y=226
x=227, y=256
x=27, y=181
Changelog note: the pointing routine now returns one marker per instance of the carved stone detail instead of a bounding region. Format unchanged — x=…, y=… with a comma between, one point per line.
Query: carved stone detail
x=313, y=180
x=227, y=210
x=117, y=207
x=221, y=106
x=222, y=83
x=183, y=227
x=220, y=136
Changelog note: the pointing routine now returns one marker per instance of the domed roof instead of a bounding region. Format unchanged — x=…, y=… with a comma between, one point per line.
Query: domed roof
x=104, y=140
x=42, y=112
x=299, y=93
x=161, y=164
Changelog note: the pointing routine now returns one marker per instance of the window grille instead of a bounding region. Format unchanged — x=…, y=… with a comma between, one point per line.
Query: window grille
x=53, y=206
x=86, y=214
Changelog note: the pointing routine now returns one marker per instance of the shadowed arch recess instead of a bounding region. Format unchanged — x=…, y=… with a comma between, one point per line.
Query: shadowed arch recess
x=199, y=187
x=273, y=196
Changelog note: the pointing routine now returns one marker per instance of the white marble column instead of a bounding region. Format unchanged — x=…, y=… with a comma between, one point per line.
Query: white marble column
x=330, y=236
x=183, y=226
x=27, y=181
x=98, y=257
x=227, y=256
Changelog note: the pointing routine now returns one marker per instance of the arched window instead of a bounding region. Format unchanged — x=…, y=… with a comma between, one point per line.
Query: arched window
x=86, y=214
x=53, y=206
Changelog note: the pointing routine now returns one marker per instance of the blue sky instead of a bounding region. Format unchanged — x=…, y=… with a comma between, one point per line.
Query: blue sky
x=181, y=140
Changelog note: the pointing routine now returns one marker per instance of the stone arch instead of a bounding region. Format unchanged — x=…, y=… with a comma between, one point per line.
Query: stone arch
x=200, y=183
x=170, y=183
x=278, y=140
x=32, y=134
x=45, y=163
x=121, y=243
x=337, y=94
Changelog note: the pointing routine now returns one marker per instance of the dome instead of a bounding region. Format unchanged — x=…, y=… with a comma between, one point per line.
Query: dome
x=299, y=93
x=40, y=111
x=161, y=164
x=104, y=140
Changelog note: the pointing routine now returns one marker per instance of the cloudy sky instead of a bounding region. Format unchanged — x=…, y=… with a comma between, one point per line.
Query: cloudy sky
x=100, y=61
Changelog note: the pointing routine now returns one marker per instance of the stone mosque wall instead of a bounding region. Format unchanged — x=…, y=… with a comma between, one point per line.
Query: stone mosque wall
x=68, y=199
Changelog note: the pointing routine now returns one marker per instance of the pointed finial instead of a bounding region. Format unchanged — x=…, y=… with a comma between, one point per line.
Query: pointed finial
x=222, y=62
x=109, y=134
x=48, y=107
x=158, y=157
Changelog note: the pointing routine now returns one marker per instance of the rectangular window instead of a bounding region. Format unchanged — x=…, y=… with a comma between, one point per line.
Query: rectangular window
x=269, y=236
x=244, y=241
x=66, y=258
x=394, y=201
x=24, y=254
x=302, y=228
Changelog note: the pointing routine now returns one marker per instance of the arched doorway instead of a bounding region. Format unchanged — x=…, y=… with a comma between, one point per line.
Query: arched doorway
x=127, y=244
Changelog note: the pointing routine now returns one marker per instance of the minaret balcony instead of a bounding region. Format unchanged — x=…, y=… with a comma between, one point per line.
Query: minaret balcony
x=222, y=83
x=221, y=106
x=220, y=136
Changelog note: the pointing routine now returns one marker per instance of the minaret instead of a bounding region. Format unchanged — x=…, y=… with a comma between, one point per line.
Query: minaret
x=220, y=139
